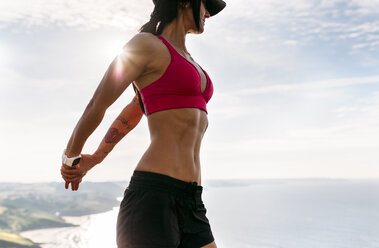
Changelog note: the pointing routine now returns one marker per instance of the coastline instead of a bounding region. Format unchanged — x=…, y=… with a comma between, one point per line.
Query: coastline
x=86, y=232
x=286, y=213
x=46, y=237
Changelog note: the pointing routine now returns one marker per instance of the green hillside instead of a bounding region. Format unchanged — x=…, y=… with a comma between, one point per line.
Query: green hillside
x=11, y=240
x=15, y=220
x=35, y=206
x=53, y=198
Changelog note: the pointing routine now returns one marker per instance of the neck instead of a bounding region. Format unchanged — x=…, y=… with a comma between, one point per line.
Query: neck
x=175, y=32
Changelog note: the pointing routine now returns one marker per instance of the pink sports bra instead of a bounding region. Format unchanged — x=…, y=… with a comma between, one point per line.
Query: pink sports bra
x=178, y=87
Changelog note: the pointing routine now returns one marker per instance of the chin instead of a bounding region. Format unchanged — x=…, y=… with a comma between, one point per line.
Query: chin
x=196, y=31
x=201, y=31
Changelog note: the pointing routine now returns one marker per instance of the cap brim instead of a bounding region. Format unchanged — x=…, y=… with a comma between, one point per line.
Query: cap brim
x=215, y=6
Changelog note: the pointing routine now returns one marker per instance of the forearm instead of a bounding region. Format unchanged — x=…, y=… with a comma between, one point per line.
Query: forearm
x=124, y=123
x=89, y=121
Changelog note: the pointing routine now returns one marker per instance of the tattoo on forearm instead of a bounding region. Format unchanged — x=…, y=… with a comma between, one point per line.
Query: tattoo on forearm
x=124, y=122
x=113, y=136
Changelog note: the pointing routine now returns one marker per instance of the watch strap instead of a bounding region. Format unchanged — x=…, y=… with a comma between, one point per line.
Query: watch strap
x=70, y=161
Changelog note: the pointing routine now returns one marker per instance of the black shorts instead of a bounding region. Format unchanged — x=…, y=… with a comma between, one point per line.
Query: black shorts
x=160, y=211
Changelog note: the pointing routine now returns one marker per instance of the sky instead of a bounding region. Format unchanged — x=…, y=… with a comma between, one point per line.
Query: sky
x=296, y=87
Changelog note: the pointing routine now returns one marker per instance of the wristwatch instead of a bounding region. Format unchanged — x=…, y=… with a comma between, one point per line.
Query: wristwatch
x=70, y=161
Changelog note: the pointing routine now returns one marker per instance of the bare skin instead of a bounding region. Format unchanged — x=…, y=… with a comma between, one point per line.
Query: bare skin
x=124, y=123
x=176, y=134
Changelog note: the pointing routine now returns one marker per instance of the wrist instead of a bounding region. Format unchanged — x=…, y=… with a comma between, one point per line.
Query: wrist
x=70, y=160
x=71, y=153
x=98, y=157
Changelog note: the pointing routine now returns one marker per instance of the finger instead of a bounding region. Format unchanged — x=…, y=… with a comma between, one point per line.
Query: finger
x=76, y=185
x=63, y=174
x=67, y=167
x=69, y=171
x=70, y=174
x=70, y=177
x=66, y=175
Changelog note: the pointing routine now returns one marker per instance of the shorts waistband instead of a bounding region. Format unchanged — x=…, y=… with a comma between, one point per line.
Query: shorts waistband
x=156, y=181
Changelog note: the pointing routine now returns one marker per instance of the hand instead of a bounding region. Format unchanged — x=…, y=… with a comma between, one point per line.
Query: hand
x=74, y=175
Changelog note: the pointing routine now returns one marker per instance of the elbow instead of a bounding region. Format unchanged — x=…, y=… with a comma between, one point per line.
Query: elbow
x=91, y=106
x=91, y=103
x=94, y=108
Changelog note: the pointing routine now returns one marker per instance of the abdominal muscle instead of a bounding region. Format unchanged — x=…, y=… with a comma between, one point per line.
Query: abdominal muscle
x=174, y=150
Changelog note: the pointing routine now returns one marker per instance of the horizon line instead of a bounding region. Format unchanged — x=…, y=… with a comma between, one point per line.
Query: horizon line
x=218, y=179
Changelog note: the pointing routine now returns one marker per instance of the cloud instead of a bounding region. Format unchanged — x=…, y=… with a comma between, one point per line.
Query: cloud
x=86, y=14
x=290, y=42
x=268, y=44
x=309, y=20
x=364, y=111
x=323, y=101
x=330, y=83
x=263, y=25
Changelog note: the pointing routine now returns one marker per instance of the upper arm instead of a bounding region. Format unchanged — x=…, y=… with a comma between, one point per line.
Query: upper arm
x=133, y=109
x=123, y=70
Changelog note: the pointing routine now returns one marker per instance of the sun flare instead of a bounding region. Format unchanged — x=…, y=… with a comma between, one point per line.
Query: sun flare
x=115, y=48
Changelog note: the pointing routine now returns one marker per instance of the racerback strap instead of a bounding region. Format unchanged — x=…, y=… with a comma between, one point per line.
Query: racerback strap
x=139, y=98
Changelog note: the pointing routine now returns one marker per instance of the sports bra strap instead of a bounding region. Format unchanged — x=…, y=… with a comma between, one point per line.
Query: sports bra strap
x=139, y=98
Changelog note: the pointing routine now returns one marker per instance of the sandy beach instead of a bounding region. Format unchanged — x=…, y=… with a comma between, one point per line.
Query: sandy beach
x=90, y=232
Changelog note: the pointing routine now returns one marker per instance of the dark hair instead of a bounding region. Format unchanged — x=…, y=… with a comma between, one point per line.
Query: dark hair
x=165, y=11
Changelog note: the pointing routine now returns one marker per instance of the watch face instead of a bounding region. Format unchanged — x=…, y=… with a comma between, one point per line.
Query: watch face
x=76, y=161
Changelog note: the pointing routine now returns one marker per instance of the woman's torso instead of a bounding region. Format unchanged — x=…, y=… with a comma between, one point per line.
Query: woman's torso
x=176, y=134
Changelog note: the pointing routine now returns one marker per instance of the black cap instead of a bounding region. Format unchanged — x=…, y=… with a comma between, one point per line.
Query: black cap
x=214, y=6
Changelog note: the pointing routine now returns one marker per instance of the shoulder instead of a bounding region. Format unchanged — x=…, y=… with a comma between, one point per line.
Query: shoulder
x=140, y=51
x=143, y=42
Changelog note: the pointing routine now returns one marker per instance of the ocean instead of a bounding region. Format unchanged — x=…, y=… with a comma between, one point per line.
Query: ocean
x=288, y=213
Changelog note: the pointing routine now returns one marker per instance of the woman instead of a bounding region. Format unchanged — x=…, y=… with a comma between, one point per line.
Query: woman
x=162, y=206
